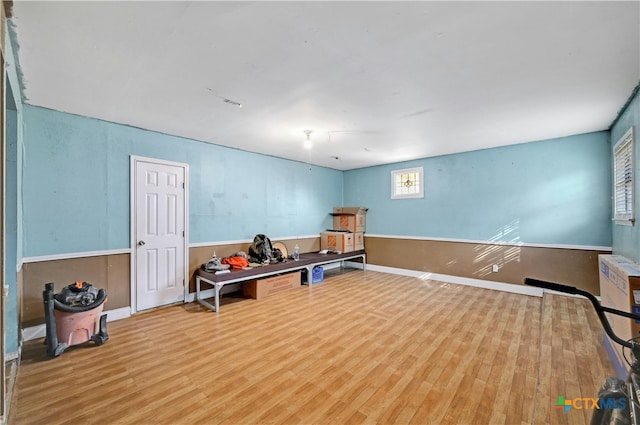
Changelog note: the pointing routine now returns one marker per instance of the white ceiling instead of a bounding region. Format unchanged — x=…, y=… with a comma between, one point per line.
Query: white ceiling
x=376, y=82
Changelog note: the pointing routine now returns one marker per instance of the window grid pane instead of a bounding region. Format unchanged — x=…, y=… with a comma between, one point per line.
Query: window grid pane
x=407, y=183
x=623, y=178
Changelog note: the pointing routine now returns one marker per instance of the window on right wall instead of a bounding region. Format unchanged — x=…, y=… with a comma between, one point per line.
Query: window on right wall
x=407, y=183
x=624, y=179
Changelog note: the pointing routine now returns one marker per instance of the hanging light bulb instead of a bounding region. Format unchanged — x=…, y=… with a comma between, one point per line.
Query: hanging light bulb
x=307, y=143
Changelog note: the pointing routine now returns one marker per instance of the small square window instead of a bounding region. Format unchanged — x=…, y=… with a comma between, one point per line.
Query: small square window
x=407, y=183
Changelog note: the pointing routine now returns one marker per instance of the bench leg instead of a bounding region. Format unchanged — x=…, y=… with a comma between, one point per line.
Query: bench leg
x=309, y=275
x=217, y=288
x=203, y=302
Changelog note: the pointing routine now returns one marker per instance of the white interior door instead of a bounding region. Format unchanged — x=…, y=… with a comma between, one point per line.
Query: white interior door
x=159, y=229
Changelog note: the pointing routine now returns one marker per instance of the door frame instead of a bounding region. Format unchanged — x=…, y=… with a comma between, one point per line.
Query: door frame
x=133, y=241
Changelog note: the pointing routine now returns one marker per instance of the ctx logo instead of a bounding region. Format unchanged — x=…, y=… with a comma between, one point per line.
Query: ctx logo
x=591, y=403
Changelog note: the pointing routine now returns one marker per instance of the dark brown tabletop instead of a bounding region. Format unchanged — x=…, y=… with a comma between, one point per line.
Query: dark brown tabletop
x=289, y=265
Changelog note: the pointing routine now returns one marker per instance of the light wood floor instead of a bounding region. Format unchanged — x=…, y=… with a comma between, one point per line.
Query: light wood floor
x=374, y=348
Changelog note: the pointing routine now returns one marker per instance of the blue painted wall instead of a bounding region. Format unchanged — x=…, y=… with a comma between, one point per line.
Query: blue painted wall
x=626, y=239
x=549, y=192
x=76, y=186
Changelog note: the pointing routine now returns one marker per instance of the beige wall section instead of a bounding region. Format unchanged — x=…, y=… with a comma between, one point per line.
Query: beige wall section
x=108, y=272
x=200, y=255
x=112, y=272
x=569, y=266
x=20, y=297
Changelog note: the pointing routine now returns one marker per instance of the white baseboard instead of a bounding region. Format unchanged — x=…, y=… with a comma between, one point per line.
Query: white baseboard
x=34, y=332
x=209, y=293
x=117, y=314
x=478, y=283
x=330, y=266
x=40, y=331
x=354, y=264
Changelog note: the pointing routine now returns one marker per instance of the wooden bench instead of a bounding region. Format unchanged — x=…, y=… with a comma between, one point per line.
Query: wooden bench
x=307, y=261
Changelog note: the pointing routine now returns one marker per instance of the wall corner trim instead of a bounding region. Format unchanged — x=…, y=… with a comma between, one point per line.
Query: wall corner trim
x=494, y=242
x=70, y=255
x=242, y=241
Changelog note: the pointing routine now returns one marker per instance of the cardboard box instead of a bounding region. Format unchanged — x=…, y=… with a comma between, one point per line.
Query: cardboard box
x=261, y=288
x=351, y=219
x=620, y=289
x=350, y=210
x=358, y=241
x=340, y=241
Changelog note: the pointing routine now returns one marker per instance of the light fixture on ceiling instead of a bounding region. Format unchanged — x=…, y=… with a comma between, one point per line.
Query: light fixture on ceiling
x=307, y=142
x=232, y=102
x=225, y=100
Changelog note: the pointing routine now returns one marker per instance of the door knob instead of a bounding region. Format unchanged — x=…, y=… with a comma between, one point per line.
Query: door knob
x=141, y=243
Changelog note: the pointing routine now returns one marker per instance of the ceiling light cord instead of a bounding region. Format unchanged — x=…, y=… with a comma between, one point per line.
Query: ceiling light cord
x=308, y=145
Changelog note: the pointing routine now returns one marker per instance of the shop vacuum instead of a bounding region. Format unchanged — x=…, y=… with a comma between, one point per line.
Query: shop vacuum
x=74, y=316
